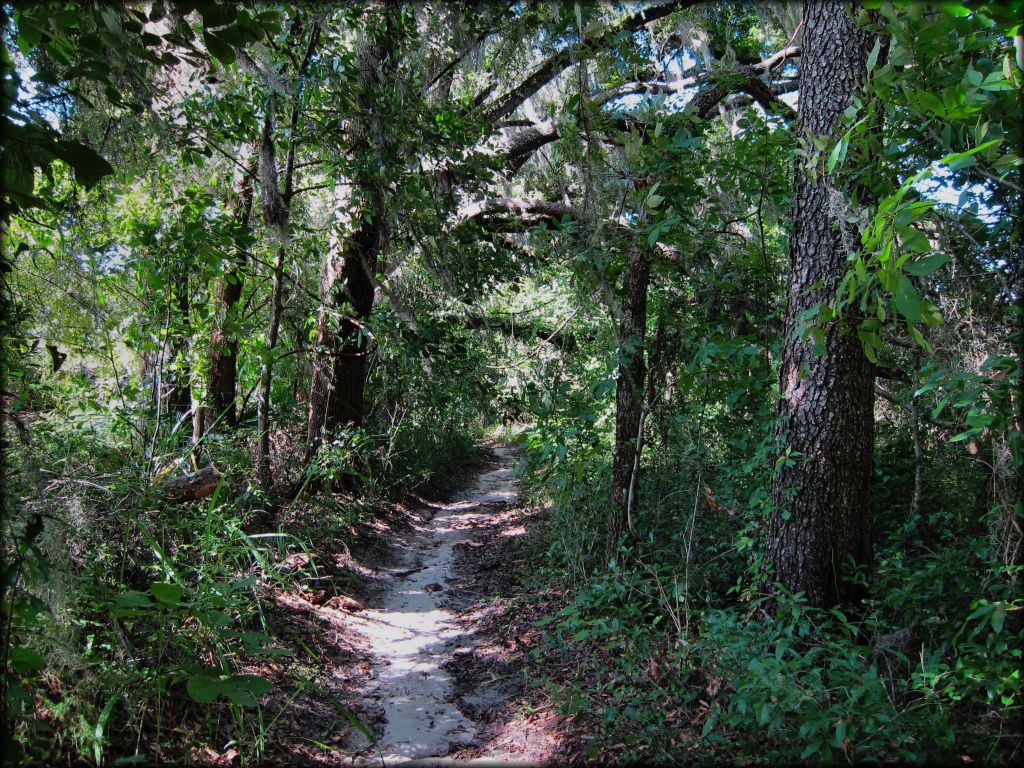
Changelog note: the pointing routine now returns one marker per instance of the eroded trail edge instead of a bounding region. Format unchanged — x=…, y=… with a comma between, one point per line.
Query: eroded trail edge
x=413, y=635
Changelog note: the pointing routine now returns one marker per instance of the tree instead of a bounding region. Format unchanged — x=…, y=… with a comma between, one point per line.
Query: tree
x=391, y=228
x=630, y=393
x=222, y=366
x=277, y=210
x=347, y=287
x=821, y=491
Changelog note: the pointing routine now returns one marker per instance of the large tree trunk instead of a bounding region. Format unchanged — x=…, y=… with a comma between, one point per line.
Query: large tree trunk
x=347, y=287
x=341, y=349
x=346, y=407
x=222, y=375
x=822, y=492
x=629, y=394
x=1007, y=523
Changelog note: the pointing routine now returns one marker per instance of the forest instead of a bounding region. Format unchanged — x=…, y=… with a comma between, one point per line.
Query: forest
x=523, y=381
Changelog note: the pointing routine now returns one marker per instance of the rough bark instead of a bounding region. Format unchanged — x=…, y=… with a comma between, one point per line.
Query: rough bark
x=1007, y=535
x=222, y=369
x=1018, y=339
x=341, y=349
x=345, y=408
x=340, y=353
x=629, y=393
x=822, y=494
x=267, y=373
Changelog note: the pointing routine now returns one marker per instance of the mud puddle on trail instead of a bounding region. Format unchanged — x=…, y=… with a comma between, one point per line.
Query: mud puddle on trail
x=413, y=635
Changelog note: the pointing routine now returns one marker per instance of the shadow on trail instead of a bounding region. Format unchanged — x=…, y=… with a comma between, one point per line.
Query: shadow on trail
x=413, y=635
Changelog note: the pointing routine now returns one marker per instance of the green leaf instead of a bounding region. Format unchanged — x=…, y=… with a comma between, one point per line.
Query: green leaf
x=956, y=9
x=133, y=599
x=926, y=264
x=930, y=313
x=18, y=698
x=917, y=335
x=98, y=730
x=88, y=165
x=219, y=48
x=255, y=684
x=870, y=341
x=204, y=688
x=235, y=36
x=214, y=619
x=931, y=103
x=998, y=617
x=243, y=690
x=873, y=56
x=110, y=19
x=811, y=749
x=906, y=299
x=955, y=156
x=840, y=732
x=838, y=153
x=24, y=660
x=240, y=696
x=217, y=14
x=170, y=594
x=914, y=240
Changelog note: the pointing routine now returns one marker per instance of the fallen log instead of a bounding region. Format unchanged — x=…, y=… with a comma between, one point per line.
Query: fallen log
x=190, y=486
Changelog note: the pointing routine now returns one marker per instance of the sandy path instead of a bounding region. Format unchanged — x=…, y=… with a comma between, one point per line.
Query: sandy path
x=412, y=635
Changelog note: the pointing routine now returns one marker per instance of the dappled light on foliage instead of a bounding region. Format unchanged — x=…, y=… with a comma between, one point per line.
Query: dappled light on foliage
x=524, y=381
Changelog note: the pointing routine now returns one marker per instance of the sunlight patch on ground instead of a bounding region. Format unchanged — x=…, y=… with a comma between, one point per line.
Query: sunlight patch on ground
x=413, y=635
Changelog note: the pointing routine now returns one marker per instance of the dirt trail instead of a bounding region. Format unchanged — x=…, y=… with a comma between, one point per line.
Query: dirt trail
x=413, y=634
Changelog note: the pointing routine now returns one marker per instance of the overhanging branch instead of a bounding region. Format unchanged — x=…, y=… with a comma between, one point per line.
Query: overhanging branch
x=508, y=102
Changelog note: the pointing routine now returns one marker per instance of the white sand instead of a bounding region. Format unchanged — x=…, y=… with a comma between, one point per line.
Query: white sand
x=413, y=636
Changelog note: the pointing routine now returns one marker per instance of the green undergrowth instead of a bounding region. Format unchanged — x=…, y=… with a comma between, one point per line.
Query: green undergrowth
x=678, y=657
x=140, y=630
x=666, y=683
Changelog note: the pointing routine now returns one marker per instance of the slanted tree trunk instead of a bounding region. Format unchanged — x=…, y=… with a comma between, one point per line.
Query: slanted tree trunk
x=822, y=492
x=629, y=394
x=222, y=375
x=347, y=287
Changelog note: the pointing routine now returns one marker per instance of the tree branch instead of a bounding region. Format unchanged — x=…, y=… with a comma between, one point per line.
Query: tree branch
x=507, y=103
x=521, y=206
x=885, y=394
